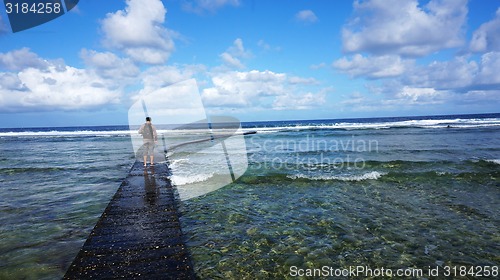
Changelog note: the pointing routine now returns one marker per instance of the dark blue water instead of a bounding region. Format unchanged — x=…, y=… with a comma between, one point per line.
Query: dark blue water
x=391, y=192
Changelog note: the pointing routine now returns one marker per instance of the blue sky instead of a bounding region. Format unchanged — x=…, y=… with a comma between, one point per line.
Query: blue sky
x=254, y=60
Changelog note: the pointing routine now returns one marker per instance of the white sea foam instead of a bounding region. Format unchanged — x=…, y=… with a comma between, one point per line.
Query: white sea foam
x=497, y=161
x=374, y=175
x=179, y=180
x=180, y=134
x=453, y=123
x=177, y=162
x=445, y=123
x=56, y=133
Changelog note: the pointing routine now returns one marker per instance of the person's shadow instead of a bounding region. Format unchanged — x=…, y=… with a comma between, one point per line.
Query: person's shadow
x=150, y=187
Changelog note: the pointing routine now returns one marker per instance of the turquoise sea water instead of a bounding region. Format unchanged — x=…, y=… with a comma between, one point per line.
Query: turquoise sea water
x=392, y=193
x=53, y=188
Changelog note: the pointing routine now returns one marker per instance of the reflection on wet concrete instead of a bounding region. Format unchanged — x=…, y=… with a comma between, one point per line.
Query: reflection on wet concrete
x=150, y=188
x=139, y=234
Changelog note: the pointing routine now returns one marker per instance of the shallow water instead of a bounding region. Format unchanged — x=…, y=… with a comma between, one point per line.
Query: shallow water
x=422, y=198
x=53, y=190
x=262, y=227
x=398, y=194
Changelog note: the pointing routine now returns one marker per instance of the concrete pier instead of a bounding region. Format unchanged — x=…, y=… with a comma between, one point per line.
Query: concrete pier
x=139, y=234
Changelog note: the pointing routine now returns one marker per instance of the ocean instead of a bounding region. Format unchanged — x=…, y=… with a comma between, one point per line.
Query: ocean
x=411, y=195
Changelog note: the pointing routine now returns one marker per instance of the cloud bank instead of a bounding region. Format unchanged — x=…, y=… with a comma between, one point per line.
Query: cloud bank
x=384, y=41
x=31, y=83
x=391, y=46
x=259, y=90
x=41, y=85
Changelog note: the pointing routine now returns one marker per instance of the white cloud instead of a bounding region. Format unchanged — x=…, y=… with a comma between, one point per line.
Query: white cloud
x=241, y=89
x=373, y=67
x=138, y=31
x=402, y=27
x=11, y=82
x=231, y=57
x=489, y=71
x=159, y=77
x=460, y=74
x=177, y=103
x=306, y=16
x=358, y=102
x=397, y=98
x=354, y=99
x=299, y=101
x=482, y=97
x=301, y=80
x=109, y=65
x=211, y=6
x=459, y=82
x=254, y=90
x=421, y=96
x=414, y=97
x=21, y=59
x=238, y=49
x=487, y=36
x=266, y=46
x=231, y=61
x=52, y=86
x=383, y=34
x=453, y=74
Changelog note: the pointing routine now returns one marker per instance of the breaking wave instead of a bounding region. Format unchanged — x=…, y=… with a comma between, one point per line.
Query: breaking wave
x=374, y=175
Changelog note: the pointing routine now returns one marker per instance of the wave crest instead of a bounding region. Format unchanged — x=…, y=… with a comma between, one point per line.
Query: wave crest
x=374, y=175
x=497, y=161
x=186, y=180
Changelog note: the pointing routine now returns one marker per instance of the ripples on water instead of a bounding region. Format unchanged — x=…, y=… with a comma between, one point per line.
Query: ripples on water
x=261, y=226
x=52, y=191
x=423, y=197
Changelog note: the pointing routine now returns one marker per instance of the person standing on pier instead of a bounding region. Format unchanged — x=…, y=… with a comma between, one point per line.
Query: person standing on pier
x=150, y=138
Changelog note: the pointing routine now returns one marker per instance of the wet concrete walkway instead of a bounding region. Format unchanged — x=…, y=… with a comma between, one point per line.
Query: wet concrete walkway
x=139, y=234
